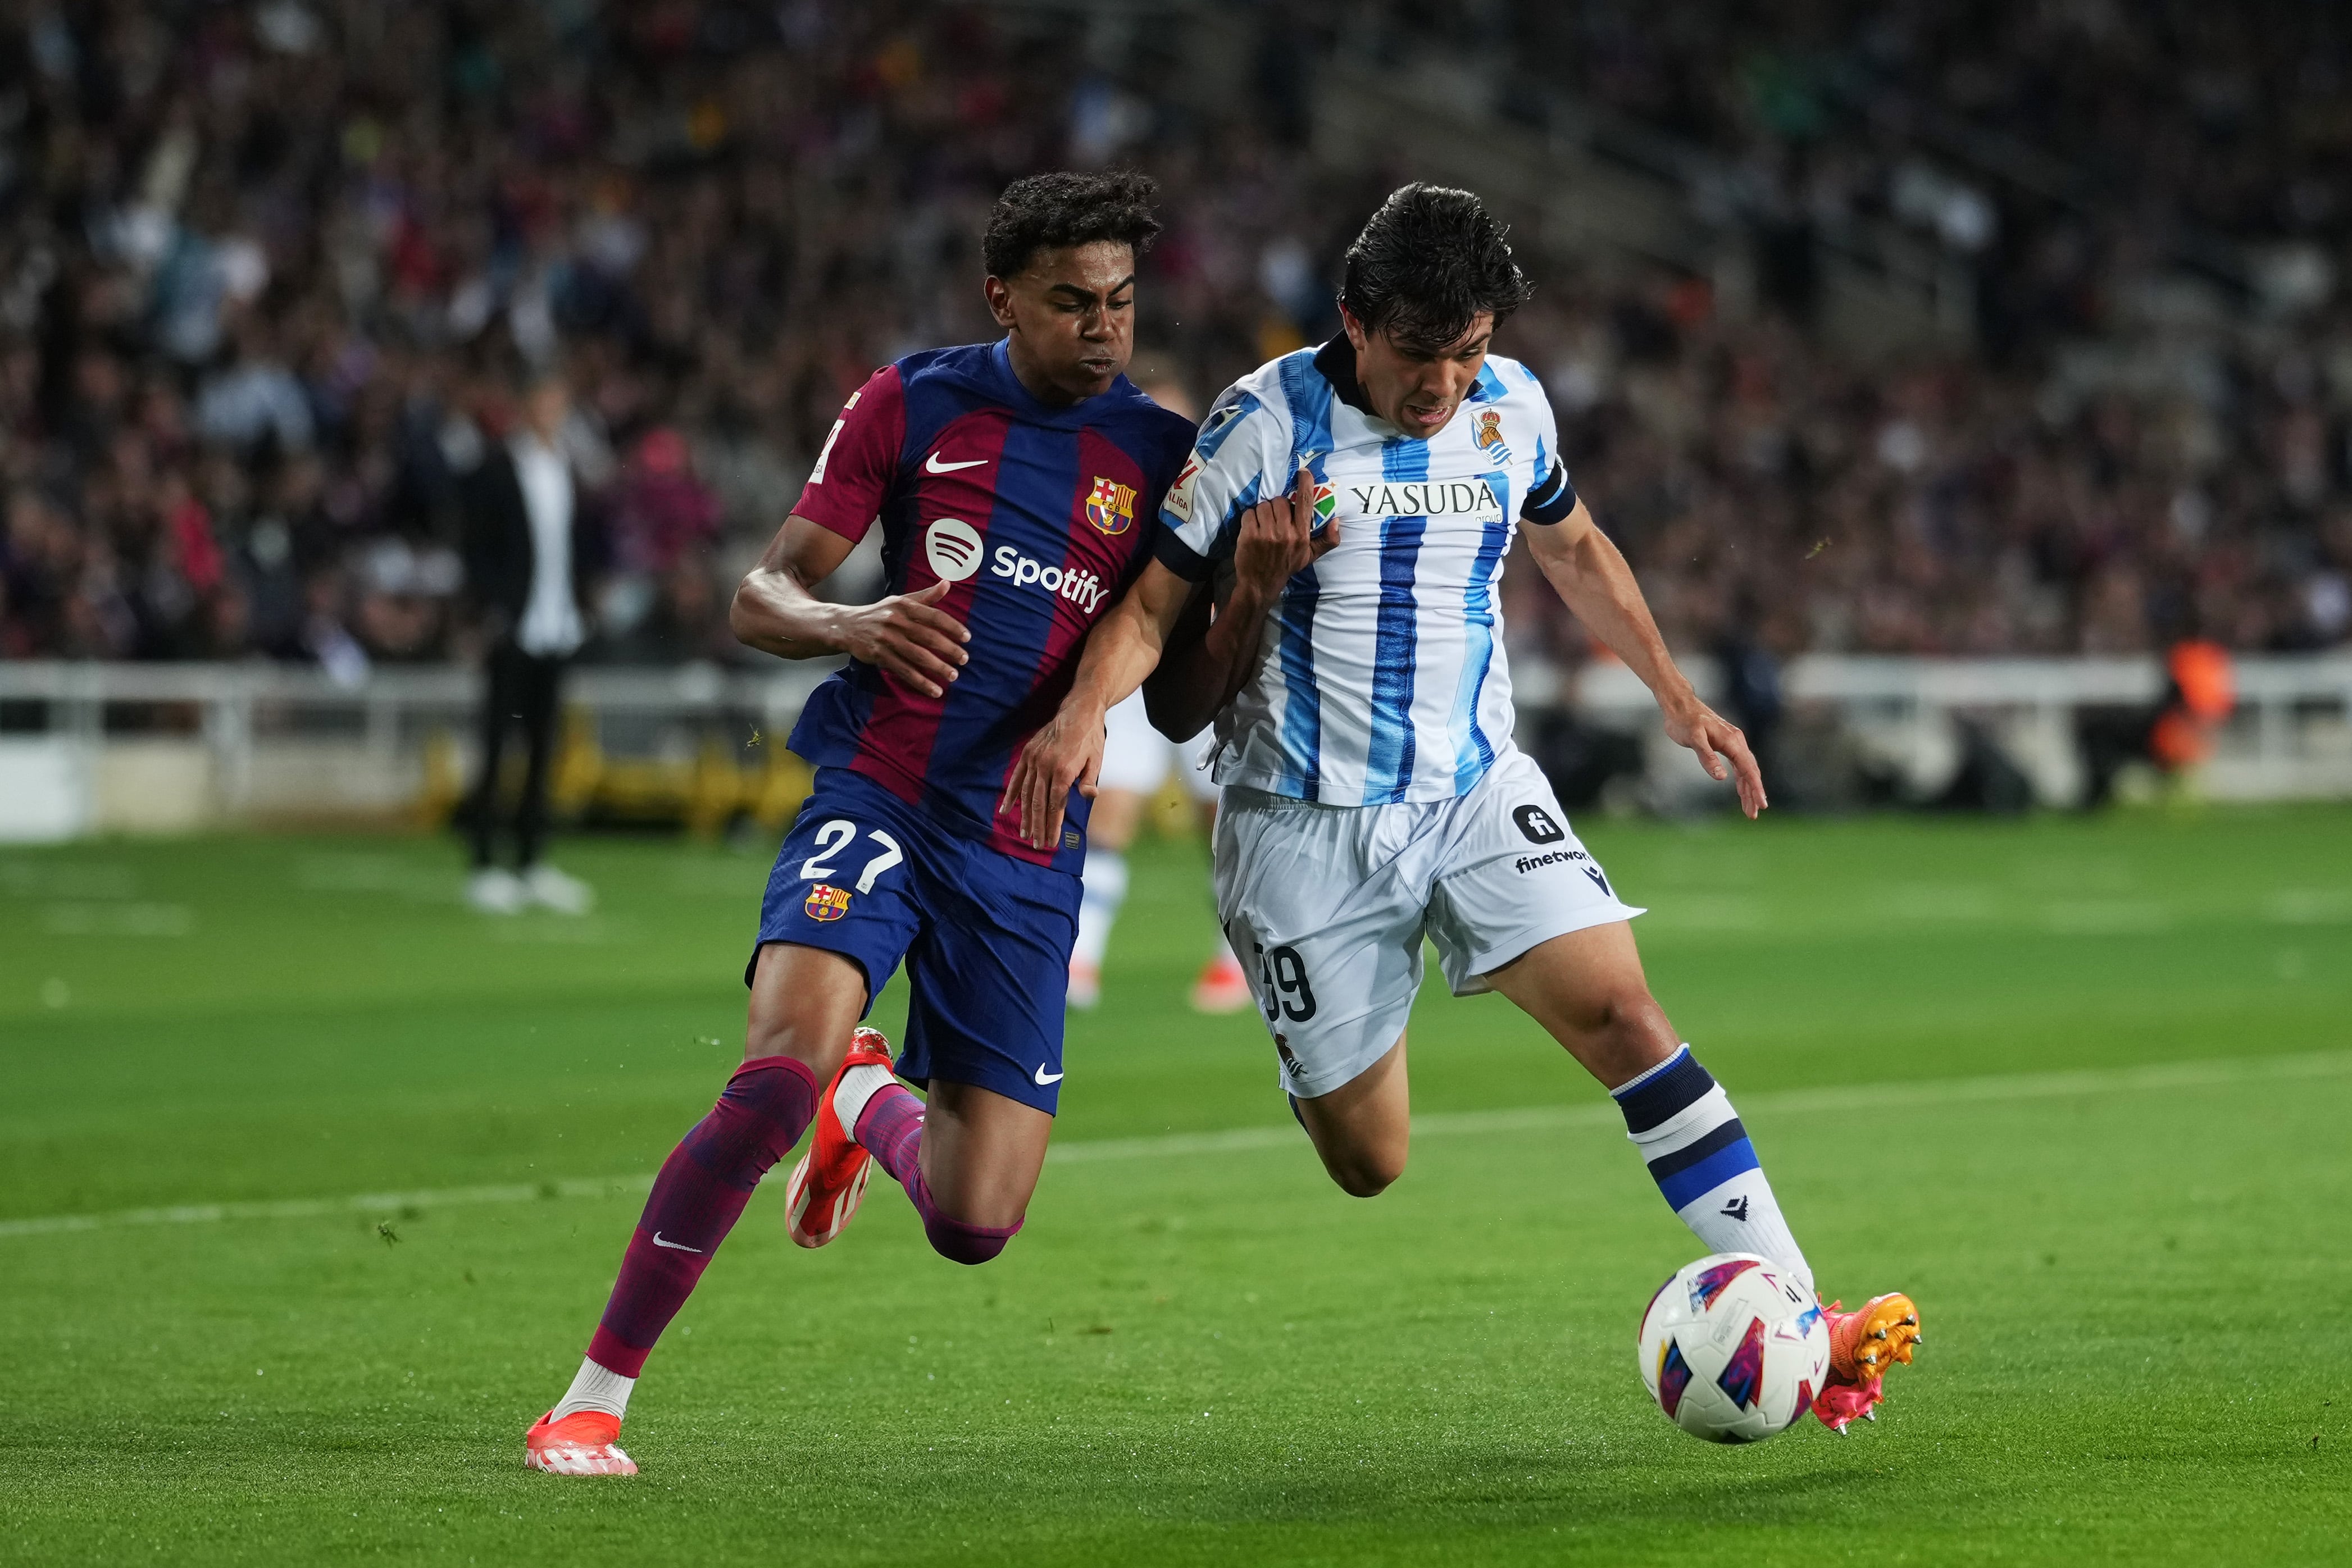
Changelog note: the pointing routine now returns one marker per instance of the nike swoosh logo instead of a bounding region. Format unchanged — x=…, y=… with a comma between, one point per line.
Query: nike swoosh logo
x=936, y=466
x=674, y=1246
x=1044, y=1077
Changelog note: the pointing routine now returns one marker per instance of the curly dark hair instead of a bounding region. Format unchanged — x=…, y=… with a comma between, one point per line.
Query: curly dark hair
x=1046, y=212
x=1426, y=264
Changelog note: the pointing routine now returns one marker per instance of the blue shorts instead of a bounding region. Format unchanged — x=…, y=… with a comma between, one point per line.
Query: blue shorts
x=985, y=937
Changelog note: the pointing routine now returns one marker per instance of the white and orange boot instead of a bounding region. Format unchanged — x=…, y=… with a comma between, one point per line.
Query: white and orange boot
x=1863, y=1346
x=584, y=1443
x=827, y=1185
x=1223, y=987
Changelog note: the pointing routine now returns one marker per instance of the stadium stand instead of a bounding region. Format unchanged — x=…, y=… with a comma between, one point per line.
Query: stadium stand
x=268, y=272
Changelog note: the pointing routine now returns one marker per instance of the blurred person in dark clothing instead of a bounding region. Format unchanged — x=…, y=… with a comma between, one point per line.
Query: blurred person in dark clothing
x=1752, y=693
x=526, y=558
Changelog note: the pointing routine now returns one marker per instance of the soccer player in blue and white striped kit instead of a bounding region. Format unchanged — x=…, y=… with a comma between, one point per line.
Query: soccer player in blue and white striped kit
x=1348, y=510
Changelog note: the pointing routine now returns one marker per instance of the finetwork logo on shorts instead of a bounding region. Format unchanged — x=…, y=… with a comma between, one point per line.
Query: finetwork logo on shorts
x=1537, y=826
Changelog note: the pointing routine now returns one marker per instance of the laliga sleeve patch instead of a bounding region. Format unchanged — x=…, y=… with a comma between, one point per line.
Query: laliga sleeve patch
x=1178, y=502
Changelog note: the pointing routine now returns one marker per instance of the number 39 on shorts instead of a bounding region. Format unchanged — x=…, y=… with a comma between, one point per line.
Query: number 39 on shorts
x=835, y=839
x=1282, y=978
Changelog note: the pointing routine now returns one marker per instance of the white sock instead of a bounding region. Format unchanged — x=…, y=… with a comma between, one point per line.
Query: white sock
x=1700, y=1156
x=596, y=1389
x=1105, y=882
x=858, y=1087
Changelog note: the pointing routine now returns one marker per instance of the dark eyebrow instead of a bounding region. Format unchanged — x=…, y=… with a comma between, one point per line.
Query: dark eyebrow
x=1077, y=292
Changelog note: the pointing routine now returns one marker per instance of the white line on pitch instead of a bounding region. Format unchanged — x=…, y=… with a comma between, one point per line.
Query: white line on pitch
x=2169, y=1075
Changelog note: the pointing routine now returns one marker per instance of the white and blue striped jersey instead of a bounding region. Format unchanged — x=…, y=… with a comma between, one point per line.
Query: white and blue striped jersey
x=1382, y=676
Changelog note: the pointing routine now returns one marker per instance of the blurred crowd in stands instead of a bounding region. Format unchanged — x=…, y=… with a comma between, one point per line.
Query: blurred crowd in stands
x=271, y=273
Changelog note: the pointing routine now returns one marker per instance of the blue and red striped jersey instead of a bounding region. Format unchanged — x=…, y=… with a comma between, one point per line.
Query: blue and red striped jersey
x=1039, y=516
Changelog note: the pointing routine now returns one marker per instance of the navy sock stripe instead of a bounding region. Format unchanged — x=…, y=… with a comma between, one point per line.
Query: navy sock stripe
x=1692, y=1153
x=1677, y=1087
x=1710, y=1173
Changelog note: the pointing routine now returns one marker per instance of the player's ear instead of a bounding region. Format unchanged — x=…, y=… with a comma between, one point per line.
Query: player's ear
x=999, y=295
x=1353, y=328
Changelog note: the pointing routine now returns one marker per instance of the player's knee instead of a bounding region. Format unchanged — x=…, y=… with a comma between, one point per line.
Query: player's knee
x=961, y=1243
x=1624, y=1028
x=1365, y=1174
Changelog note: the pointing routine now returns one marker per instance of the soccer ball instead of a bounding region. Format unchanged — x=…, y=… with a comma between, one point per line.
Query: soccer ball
x=1732, y=1349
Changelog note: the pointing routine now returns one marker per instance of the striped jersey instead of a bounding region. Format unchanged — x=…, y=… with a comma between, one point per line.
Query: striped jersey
x=1039, y=516
x=1382, y=676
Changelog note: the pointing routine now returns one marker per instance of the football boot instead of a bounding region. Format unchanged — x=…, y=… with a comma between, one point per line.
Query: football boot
x=583, y=1443
x=827, y=1185
x=1222, y=985
x=1863, y=1346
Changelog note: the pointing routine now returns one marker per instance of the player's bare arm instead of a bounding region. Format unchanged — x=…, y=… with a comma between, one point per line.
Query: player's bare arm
x=776, y=611
x=1122, y=650
x=1198, y=677
x=1591, y=576
x=1277, y=540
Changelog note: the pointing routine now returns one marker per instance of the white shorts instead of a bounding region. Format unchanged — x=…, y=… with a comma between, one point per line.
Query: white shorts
x=1327, y=906
x=1138, y=757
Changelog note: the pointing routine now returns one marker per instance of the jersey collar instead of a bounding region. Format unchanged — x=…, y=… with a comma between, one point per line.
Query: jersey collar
x=1027, y=405
x=1337, y=361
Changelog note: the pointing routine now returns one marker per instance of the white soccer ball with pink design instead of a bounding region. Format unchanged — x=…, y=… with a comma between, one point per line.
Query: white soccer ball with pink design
x=1733, y=1349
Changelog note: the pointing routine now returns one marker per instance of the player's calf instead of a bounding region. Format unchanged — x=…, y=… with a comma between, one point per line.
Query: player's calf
x=1362, y=1130
x=700, y=1193
x=891, y=1126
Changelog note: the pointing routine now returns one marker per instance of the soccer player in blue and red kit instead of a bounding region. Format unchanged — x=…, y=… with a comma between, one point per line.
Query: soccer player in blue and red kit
x=1015, y=484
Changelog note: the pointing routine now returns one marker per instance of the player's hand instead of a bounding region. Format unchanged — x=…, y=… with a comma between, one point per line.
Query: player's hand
x=1068, y=750
x=1278, y=540
x=909, y=635
x=1717, y=741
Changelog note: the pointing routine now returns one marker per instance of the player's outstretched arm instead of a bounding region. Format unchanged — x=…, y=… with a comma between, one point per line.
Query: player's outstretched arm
x=1199, y=675
x=906, y=635
x=1593, y=578
x=1123, y=648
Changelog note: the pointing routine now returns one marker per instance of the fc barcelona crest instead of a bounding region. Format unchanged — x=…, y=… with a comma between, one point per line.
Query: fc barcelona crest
x=1110, y=506
x=826, y=902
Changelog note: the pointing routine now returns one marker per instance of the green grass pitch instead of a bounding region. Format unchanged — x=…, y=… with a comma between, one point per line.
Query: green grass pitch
x=2081, y=1087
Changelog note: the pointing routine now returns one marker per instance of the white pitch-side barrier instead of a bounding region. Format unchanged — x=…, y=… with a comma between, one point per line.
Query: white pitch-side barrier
x=96, y=748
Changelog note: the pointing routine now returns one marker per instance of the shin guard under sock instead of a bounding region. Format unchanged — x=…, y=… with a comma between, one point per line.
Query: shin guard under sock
x=1699, y=1156
x=696, y=1199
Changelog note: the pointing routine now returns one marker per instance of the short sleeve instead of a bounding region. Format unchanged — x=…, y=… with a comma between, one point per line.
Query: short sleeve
x=1232, y=467
x=859, y=461
x=1554, y=496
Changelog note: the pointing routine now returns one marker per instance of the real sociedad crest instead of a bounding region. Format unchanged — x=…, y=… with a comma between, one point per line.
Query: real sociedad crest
x=1489, y=435
x=1110, y=506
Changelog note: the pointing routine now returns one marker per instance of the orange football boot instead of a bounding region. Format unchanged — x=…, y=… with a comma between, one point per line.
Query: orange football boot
x=1222, y=985
x=825, y=1186
x=582, y=1444
x=1863, y=1346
